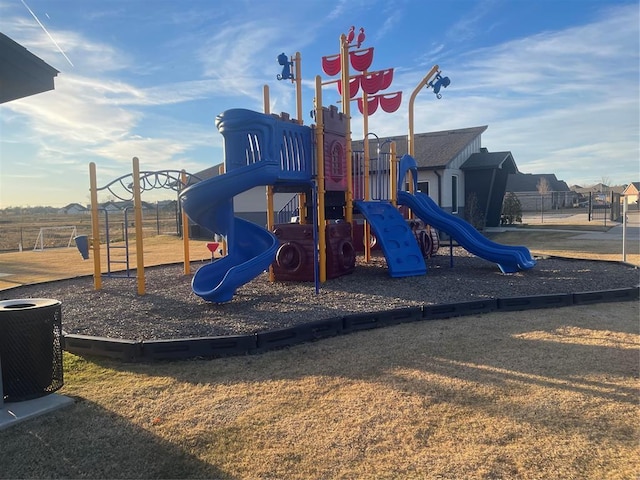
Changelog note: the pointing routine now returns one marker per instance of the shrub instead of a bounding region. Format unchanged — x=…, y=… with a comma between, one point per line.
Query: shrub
x=511, y=209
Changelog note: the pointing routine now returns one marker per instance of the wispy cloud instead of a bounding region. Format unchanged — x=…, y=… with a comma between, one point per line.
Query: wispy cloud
x=564, y=102
x=472, y=23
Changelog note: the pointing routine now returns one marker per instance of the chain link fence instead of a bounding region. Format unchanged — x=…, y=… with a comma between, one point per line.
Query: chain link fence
x=554, y=207
x=21, y=232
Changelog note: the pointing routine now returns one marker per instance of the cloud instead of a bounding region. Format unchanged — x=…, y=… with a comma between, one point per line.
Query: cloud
x=564, y=102
x=471, y=23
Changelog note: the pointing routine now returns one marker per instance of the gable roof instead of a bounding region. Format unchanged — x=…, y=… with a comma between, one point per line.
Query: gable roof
x=489, y=161
x=528, y=182
x=433, y=150
x=632, y=189
x=21, y=72
x=77, y=206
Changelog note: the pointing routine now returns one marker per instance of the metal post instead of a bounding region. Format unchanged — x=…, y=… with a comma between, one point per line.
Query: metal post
x=185, y=230
x=625, y=204
x=1, y=390
x=318, y=203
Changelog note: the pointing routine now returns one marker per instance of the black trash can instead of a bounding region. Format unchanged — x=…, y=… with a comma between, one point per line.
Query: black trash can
x=30, y=348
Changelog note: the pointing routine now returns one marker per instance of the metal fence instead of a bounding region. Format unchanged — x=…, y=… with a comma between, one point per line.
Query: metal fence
x=555, y=206
x=22, y=233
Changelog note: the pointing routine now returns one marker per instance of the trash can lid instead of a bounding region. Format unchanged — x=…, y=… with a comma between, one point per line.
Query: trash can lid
x=27, y=304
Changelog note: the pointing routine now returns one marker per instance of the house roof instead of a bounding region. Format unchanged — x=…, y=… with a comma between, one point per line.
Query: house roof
x=22, y=73
x=489, y=161
x=632, y=189
x=74, y=205
x=123, y=204
x=433, y=150
x=528, y=182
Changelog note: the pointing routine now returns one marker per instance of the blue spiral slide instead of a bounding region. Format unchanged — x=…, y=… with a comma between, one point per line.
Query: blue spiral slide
x=252, y=248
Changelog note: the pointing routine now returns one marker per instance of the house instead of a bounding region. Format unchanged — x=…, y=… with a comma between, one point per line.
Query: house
x=453, y=166
x=541, y=192
x=74, y=209
x=120, y=206
x=632, y=194
x=22, y=73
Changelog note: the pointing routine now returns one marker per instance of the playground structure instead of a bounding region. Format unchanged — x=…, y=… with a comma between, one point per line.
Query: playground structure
x=126, y=188
x=332, y=184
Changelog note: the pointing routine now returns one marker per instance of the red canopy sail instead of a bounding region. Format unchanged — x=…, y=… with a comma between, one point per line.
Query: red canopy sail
x=390, y=102
x=354, y=86
x=331, y=65
x=387, y=78
x=372, y=105
x=372, y=82
x=361, y=60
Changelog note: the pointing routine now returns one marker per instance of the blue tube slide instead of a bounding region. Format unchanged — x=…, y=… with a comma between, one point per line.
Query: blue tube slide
x=251, y=248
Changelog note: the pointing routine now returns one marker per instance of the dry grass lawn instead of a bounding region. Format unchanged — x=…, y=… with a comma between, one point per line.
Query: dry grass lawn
x=526, y=395
x=547, y=394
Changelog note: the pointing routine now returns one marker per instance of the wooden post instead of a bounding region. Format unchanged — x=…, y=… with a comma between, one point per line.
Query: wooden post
x=95, y=228
x=137, y=206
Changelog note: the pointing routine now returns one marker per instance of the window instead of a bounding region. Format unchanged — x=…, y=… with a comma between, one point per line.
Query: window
x=424, y=187
x=454, y=194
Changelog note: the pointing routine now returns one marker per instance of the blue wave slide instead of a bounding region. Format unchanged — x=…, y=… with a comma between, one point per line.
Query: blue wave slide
x=510, y=259
x=397, y=241
x=252, y=248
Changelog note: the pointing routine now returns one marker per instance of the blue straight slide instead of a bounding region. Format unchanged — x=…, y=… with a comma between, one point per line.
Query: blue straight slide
x=510, y=259
x=251, y=248
x=397, y=241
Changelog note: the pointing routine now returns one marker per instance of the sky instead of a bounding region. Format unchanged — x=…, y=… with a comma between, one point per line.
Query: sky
x=555, y=81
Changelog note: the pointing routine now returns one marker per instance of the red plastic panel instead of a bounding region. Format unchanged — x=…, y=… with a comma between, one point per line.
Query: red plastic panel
x=294, y=259
x=341, y=255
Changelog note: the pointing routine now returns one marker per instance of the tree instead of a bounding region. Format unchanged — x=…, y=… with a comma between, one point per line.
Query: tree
x=511, y=209
x=543, y=186
x=472, y=212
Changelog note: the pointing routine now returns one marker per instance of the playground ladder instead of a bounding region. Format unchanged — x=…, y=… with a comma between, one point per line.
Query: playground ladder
x=125, y=247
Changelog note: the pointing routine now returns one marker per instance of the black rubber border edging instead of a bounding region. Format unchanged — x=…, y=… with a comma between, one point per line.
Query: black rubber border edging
x=234, y=345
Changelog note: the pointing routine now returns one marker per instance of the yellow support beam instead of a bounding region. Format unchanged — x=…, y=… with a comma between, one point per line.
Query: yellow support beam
x=137, y=206
x=95, y=228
